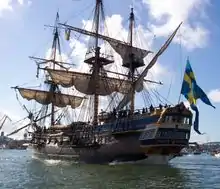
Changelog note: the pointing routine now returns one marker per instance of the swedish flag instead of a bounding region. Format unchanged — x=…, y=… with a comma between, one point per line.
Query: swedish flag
x=192, y=92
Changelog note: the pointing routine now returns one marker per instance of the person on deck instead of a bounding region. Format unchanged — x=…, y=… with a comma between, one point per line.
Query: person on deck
x=114, y=112
x=151, y=108
x=146, y=110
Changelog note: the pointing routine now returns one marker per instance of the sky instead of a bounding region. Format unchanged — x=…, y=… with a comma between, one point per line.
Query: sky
x=24, y=34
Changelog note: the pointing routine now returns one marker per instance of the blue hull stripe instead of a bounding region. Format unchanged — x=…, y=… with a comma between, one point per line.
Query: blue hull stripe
x=130, y=124
x=164, y=141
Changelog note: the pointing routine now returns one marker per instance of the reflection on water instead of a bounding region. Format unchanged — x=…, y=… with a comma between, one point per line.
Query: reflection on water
x=23, y=171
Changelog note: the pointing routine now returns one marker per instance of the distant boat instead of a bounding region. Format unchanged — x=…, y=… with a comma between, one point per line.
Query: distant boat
x=217, y=155
x=185, y=153
x=196, y=153
x=3, y=146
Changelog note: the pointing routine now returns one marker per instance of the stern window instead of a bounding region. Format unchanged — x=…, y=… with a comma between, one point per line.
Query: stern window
x=186, y=120
x=177, y=119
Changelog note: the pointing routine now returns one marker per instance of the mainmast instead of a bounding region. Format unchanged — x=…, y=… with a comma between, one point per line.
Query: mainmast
x=56, y=42
x=131, y=18
x=96, y=65
x=132, y=68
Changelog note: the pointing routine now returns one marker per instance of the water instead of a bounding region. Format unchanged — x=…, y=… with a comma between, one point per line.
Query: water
x=19, y=170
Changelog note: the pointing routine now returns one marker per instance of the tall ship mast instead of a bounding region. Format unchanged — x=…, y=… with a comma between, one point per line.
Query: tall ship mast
x=103, y=132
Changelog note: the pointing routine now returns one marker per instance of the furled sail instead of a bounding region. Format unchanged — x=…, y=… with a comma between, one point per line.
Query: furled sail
x=115, y=43
x=139, y=81
x=125, y=51
x=45, y=98
x=82, y=82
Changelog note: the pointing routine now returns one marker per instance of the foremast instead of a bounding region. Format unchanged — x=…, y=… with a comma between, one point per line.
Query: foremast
x=56, y=41
x=132, y=67
x=54, y=96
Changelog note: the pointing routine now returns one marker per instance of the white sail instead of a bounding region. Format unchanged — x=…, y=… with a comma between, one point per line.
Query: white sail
x=45, y=98
x=83, y=82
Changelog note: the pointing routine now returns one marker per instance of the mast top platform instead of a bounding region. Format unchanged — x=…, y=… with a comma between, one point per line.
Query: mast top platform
x=103, y=59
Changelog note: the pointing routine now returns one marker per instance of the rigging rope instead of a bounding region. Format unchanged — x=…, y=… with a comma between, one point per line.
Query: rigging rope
x=171, y=82
x=76, y=15
x=16, y=93
x=79, y=35
x=163, y=97
x=181, y=64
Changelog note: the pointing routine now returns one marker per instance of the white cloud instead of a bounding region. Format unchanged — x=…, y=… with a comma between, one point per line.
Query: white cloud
x=29, y=3
x=78, y=53
x=6, y=5
x=21, y=2
x=59, y=57
x=25, y=2
x=168, y=14
x=214, y=95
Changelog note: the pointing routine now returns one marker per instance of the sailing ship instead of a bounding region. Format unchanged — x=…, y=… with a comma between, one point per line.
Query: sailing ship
x=154, y=134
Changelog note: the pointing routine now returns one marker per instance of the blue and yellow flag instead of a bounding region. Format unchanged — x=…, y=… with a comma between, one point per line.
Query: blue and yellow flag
x=192, y=92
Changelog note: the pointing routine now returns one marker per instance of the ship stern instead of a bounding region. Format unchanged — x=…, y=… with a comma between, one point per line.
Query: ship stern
x=164, y=140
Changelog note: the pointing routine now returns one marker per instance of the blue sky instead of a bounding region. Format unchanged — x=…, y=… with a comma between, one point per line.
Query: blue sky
x=23, y=34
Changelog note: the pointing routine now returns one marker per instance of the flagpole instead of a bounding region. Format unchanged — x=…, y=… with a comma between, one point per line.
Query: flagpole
x=182, y=81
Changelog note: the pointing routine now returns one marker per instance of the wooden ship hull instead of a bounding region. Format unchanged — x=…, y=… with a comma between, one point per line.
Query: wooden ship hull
x=101, y=155
x=156, y=142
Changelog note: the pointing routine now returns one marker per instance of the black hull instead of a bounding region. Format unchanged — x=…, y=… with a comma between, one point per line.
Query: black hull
x=125, y=149
x=97, y=158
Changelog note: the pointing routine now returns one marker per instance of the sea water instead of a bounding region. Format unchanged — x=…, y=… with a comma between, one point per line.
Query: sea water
x=21, y=170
